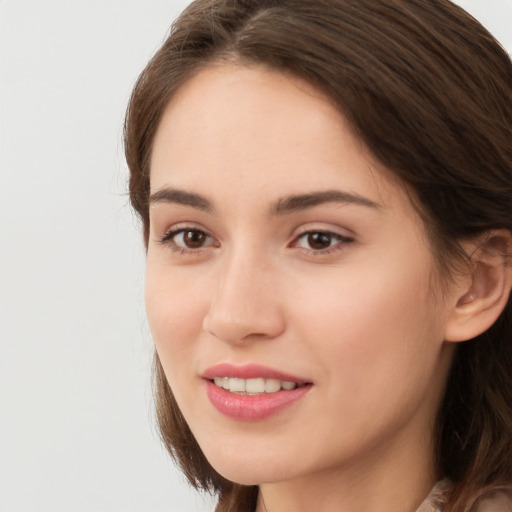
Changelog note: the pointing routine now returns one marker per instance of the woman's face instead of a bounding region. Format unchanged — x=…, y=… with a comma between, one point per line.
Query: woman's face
x=282, y=255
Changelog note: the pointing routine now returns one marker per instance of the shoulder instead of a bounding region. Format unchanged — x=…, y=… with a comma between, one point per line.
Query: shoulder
x=437, y=497
x=495, y=500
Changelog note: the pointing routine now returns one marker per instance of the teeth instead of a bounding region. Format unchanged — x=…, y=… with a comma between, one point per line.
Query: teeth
x=256, y=386
x=272, y=385
x=237, y=385
x=222, y=382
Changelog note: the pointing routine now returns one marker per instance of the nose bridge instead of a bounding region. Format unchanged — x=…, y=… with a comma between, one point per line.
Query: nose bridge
x=244, y=303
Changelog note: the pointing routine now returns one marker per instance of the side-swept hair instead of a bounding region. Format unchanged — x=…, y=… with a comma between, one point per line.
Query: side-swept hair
x=429, y=91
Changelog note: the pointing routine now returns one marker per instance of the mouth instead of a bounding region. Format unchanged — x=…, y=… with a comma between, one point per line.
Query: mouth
x=252, y=392
x=254, y=386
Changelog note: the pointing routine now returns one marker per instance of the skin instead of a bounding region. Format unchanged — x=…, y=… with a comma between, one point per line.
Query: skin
x=359, y=319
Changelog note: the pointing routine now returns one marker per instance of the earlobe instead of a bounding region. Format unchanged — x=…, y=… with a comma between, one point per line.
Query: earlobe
x=484, y=290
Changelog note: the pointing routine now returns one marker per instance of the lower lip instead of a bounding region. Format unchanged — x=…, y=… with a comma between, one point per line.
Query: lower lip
x=252, y=407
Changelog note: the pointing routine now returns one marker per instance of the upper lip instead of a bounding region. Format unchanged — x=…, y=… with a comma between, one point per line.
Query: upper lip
x=249, y=371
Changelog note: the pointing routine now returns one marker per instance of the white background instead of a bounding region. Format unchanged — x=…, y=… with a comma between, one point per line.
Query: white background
x=76, y=425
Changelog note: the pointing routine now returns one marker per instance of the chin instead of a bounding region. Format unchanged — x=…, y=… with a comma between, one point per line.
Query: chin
x=245, y=468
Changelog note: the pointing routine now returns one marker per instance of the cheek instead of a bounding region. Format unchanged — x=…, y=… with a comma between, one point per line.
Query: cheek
x=175, y=310
x=379, y=323
x=377, y=342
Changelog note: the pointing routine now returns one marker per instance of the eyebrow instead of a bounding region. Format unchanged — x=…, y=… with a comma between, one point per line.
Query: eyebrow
x=304, y=201
x=173, y=195
x=282, y=206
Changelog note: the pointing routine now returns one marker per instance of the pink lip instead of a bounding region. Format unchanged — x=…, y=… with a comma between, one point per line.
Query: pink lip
x=249, y=371
x=251, y=407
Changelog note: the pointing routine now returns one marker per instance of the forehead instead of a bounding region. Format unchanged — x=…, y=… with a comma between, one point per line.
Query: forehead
x=248, y=130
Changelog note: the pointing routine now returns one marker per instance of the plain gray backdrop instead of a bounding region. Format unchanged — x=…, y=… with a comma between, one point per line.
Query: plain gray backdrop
x=77, y=432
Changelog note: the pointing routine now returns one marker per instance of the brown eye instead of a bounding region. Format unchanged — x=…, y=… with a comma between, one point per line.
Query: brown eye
x=322, y=242
x=194, y=239
x=319, y=241
x=188, y=240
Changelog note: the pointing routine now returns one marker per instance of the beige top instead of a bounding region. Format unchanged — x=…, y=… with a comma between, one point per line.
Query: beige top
x=499, y=500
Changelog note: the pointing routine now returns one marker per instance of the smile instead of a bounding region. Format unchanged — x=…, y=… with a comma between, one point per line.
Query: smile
x=256, y=386
x=252, y=392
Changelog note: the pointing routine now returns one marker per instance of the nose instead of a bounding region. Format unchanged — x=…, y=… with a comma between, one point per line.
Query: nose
x=245, y=304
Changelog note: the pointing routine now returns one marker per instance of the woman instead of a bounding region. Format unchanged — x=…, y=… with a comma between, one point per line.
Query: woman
x=325, y=191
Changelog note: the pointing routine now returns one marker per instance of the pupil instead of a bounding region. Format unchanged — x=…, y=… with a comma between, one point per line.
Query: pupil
x=319, y=240
x=194, y=239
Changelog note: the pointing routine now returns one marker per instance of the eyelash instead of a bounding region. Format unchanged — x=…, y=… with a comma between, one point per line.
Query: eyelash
x=339, y=245
x=169, y=240
x=341, y=241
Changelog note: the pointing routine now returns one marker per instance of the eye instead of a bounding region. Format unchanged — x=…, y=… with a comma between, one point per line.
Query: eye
x=321, y=241
x=187, y=239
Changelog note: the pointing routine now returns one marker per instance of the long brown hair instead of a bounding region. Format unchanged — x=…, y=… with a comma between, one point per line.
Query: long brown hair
x=429, y=91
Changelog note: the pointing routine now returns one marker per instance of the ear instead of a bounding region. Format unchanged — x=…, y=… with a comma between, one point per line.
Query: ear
x=481, y=294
